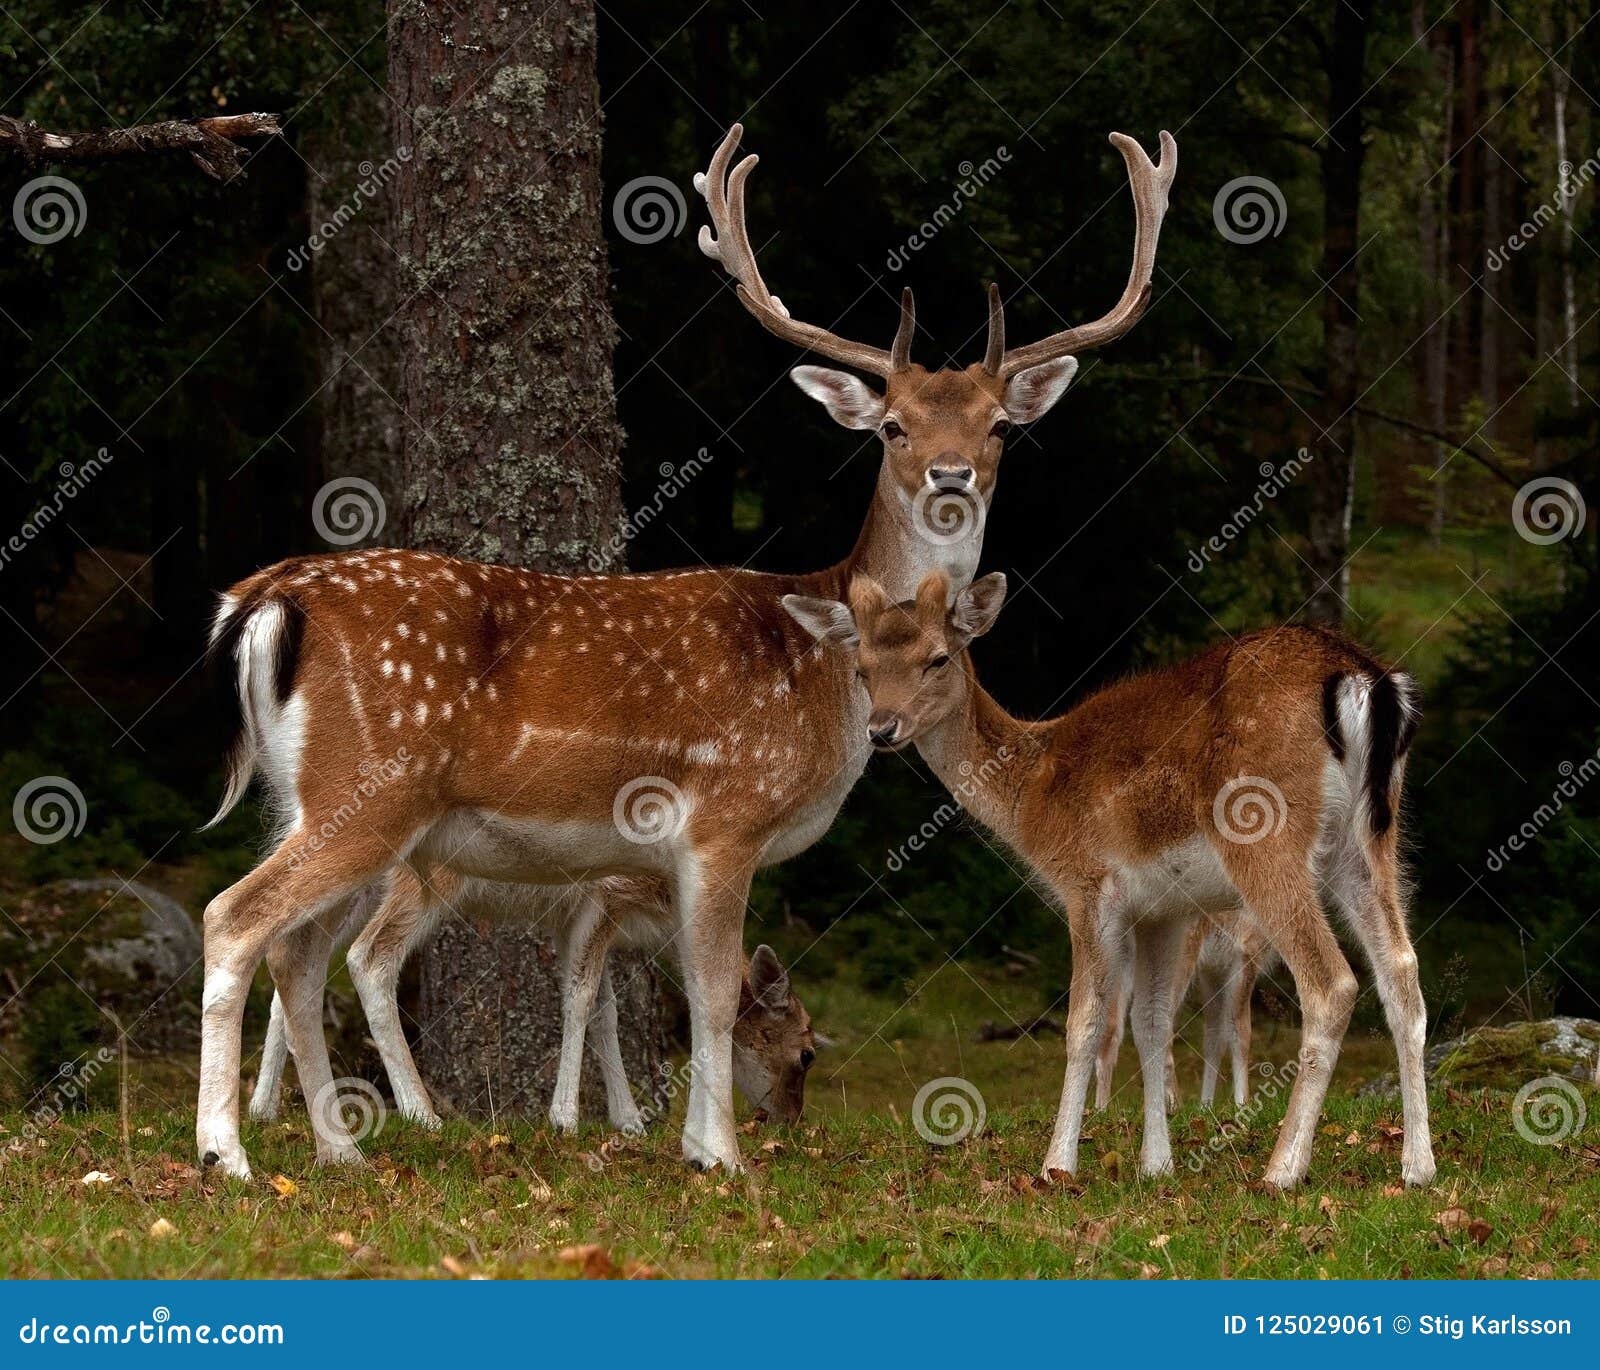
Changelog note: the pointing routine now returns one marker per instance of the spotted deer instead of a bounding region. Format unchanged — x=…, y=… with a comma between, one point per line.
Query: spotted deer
x=773, y=1042
x=1223, y=956
x=1250, y=776
x=675, y=726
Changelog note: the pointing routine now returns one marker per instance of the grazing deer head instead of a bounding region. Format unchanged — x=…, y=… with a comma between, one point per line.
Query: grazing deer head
x=943, y=431
x=773, y=1045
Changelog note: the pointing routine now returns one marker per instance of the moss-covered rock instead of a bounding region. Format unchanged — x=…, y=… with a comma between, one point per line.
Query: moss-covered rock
x=1507, y=1057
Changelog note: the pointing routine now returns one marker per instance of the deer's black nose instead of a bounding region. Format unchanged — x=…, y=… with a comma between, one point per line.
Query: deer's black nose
x=950, y=476
x=883, y=734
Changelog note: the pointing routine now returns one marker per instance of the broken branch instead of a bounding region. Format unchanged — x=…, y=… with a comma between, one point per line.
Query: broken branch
x=212, y=144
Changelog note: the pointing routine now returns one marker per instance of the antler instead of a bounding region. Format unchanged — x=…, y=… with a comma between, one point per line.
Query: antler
x=730, y=245
x=1149, y=182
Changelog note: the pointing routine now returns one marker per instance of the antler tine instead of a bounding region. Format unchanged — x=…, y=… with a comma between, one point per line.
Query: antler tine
x=728, y=241
x=1149, y=181
x=900, y=353
x=994, y=353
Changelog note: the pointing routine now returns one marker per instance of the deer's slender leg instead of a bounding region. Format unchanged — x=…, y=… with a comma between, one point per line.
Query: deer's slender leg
x=241, y=923
x=274, y=1056
x=1096, y=967
x=1243, y=987
x=1279, y=893
x=1160, y=949
x=406, y=918
x=581, y=945
x=1368, y=889
x=1105, y=1060
x=620, y=1106
x=710, y=898
x=299, y=964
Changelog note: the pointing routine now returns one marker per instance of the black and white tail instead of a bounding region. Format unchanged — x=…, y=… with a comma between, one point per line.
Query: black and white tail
x=1370, y=720
x=253, y=653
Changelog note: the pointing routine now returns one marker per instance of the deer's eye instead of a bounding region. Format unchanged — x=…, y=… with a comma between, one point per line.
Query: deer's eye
x=937, y=664
x=892, y=431
x=1001, y=428
x=806, y=1058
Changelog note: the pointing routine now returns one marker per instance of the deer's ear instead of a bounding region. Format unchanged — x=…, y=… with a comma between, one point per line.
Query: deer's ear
x=769, y=981
x=977, y=606
x=850, y=401
x=1031, y=394
x=827, y=620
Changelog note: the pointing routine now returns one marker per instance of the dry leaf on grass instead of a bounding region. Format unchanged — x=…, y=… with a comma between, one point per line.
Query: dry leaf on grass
x=592, y=1261
x=286, y=1187
x=161, y=1229
x=97, y=1178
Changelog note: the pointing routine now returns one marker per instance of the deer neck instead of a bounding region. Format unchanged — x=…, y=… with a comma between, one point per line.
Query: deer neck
x=984, y=756
x=897, y=547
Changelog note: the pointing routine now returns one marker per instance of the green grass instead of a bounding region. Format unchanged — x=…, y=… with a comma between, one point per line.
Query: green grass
x=1408, y=596
x=853, y=1191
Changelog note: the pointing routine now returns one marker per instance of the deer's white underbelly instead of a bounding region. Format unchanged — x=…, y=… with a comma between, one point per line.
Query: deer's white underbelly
x=1182, y=881
x=540, y=851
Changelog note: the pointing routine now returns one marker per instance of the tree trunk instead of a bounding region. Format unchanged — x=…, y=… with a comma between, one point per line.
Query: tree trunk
x=1333, y=473
x=511, y=443
x=348, y=161
x=1493, y=240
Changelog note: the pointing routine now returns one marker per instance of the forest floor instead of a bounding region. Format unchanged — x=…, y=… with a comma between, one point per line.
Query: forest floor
x=853, y=1191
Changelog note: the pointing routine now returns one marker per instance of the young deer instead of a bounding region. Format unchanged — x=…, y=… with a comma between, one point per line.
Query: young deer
x=677, y=726
x=1251, y=775
x=773, y=1044
x=1223, y=955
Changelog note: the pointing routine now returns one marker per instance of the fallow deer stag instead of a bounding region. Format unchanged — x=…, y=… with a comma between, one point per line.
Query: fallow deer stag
x=1248, y=776
x=673, y=725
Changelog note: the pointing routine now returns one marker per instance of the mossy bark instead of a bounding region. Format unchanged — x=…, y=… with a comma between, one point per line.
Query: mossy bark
x=511, y=443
